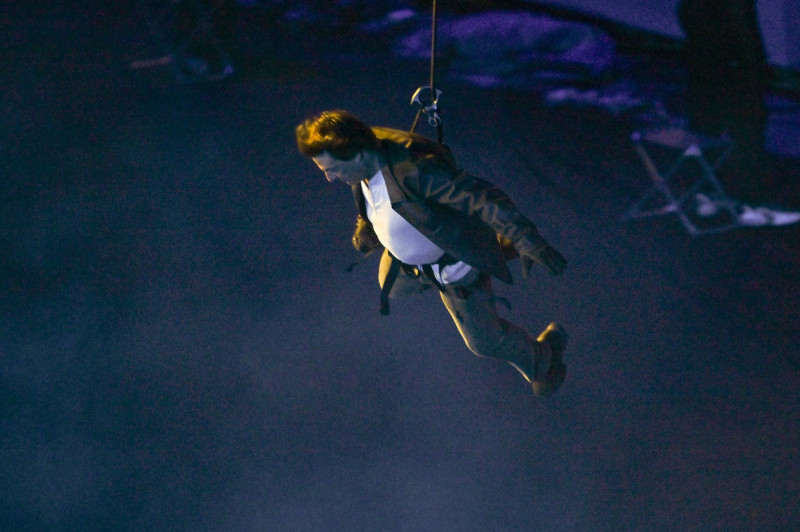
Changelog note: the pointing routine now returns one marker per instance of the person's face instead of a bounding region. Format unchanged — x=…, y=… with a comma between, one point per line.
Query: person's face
x=351, y=172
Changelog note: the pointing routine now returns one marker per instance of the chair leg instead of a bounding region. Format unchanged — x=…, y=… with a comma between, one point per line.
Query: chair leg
x=664, y=196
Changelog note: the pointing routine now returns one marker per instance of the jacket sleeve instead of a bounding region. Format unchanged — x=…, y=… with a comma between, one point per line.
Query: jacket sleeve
x=475, y=197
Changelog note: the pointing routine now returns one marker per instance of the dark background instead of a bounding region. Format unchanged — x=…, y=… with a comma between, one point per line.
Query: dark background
x=181, y=347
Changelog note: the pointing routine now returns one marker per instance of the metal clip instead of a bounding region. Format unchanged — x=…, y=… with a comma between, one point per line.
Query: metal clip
x=424, y=97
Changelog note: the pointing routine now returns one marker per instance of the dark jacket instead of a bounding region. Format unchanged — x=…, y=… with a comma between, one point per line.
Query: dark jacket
x=465, y=216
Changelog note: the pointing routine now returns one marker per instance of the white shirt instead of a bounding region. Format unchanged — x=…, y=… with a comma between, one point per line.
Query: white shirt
x=401, y=238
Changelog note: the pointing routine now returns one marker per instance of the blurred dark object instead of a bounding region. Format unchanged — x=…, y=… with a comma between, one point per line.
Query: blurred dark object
x=727, y=78
x=204, y=37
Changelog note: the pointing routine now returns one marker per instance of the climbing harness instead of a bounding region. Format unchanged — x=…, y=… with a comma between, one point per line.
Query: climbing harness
x=427, y=99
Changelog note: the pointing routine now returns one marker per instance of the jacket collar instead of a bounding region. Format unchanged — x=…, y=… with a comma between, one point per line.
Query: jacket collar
x=398, y=165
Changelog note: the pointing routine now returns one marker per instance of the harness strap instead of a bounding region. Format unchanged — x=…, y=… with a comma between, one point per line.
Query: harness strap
x=388, y=283
x=394, y=271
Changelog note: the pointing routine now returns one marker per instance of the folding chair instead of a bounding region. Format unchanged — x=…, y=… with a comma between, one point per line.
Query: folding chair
x=685, y=180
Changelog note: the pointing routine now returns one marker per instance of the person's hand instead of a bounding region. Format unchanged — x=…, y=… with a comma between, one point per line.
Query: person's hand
x=364, y=238
x=546, y=255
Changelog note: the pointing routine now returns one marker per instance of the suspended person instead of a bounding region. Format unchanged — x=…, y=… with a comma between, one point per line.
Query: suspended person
x=440, y=227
